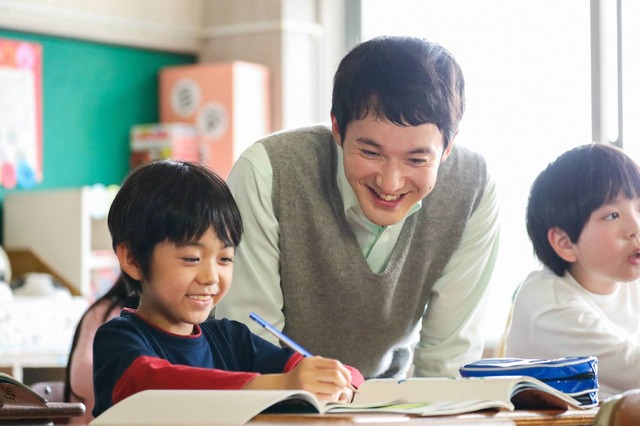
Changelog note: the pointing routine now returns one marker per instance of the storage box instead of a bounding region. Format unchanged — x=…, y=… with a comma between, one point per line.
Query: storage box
x=227, y=102
x=160, y=141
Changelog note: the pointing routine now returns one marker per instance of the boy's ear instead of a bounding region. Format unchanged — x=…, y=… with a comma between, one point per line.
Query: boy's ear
x=127, y=262
x=561, y=244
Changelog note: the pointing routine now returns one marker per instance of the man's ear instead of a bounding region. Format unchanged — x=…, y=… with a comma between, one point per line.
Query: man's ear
x=335, y=130
x=561, y=244
x=127, y=262
x=448, y=149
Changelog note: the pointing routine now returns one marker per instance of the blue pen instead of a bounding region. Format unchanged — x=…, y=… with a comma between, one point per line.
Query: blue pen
x=271, y=329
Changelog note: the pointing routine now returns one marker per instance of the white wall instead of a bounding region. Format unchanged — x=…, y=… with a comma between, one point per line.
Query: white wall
x=154, y=24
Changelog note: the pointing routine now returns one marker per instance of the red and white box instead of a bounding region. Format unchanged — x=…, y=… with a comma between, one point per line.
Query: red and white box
x=159, y=141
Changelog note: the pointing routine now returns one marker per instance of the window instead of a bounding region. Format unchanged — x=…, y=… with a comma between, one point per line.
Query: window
x=527, y=67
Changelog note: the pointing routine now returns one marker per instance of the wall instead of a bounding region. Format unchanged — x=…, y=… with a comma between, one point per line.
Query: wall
x=92, y=94
x=164, y=25
x=301, y=41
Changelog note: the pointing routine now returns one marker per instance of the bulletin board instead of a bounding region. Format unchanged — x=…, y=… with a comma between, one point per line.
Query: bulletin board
x=20, y=113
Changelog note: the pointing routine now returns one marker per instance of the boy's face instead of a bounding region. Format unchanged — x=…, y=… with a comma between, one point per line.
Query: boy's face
x=185, y=283
x=390, y=167
x=608, y=249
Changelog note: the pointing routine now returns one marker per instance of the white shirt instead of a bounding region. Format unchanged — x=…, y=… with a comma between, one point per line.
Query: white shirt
x=450, y=333
x=554, y=317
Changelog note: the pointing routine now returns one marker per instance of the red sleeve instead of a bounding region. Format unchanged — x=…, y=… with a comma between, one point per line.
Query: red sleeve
x=156, y=373
x=356, y=377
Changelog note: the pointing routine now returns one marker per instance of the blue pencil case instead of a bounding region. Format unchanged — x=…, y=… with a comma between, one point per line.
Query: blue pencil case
x=575, y=376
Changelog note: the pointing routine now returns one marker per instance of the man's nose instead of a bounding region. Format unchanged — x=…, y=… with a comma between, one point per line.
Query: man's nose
x=390, y=178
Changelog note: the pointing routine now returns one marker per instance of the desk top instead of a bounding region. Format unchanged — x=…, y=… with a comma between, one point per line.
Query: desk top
x=54, y=410
x=517, y=417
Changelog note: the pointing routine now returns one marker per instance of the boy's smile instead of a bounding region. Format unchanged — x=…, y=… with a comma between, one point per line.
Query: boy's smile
x=390, y=167
x=186, y=281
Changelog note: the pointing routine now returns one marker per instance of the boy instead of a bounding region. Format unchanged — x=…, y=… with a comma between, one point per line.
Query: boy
x=583, y=218
x=175, y=228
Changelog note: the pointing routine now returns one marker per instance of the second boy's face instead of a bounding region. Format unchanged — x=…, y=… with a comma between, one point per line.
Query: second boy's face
x=608, y=250
x=186, y=282
x=390, y=167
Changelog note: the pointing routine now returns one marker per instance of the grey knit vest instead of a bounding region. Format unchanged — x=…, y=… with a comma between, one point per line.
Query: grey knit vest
x=334, y=305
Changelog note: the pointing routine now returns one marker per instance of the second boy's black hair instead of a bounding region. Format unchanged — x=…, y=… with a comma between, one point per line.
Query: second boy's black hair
x=572, y=187
x=171, y=201
x=407, y=81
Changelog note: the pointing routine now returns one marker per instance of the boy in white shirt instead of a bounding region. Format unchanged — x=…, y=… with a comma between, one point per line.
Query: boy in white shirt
x=583, y=218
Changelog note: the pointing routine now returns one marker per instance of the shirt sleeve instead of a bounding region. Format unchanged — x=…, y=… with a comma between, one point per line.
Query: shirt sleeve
x=568, y=324
x=451, y=332
x=256, y=276
x=583, y=332
x=155, y=373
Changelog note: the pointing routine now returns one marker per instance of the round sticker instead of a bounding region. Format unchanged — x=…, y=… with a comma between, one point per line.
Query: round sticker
x=25, y=174
x=185, y=97
x=213, y=120
x=8, y=175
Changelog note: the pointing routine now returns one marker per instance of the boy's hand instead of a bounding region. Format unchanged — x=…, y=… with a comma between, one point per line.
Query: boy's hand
x=326, y=378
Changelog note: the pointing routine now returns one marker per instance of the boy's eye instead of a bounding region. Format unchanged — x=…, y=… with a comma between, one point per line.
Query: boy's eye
x=612, y=216
x=191, y=259
x=226, y=259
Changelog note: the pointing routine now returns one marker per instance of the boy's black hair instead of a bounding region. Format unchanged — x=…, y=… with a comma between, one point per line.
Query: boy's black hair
x=407, y=81
x=570, y=189
x=171, y=201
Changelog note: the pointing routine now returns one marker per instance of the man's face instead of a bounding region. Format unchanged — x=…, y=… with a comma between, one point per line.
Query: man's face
x=390, y=167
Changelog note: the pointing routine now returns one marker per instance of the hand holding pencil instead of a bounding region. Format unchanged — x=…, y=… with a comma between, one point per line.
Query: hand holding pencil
x=327, y=378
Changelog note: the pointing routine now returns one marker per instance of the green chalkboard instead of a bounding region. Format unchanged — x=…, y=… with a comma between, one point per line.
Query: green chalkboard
x=92, y=94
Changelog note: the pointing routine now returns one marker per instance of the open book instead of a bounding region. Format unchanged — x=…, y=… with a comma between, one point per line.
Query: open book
x=417, y=396
x=14, y=392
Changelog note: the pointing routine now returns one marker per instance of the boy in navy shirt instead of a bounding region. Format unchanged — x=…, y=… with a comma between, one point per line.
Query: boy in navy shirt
x=175, y=228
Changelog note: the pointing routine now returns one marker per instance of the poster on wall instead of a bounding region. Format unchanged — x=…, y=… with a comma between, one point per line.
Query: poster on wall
x=20, y=113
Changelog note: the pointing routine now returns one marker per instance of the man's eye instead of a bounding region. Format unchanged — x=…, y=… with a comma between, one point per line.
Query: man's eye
x=368, y=153
x=417, y=161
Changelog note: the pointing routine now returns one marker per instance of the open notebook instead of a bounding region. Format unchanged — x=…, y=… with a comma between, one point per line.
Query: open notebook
x=419, y=397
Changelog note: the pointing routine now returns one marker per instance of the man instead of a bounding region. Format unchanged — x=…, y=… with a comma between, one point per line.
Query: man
x=350, y=246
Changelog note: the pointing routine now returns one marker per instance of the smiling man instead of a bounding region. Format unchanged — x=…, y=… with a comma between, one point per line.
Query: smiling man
x=373, y=240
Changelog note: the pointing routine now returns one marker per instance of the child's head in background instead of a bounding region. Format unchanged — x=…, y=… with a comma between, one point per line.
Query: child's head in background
x=583, y=216
x=175, y=227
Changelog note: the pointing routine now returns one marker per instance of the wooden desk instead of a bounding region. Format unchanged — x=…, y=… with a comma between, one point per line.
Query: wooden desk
x=518, y=417
x=29, y=414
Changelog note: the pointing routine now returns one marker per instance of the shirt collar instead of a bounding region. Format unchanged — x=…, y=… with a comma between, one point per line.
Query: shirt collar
x=349, y=199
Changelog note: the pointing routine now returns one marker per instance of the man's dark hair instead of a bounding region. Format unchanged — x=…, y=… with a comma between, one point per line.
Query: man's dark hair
x=406, y=81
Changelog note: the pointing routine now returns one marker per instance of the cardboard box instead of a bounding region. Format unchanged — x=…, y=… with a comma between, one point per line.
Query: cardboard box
x=229, y=104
